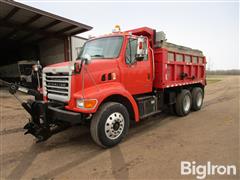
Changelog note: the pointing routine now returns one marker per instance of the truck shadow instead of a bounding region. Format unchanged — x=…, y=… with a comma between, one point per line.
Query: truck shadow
x=27, y=158
x=118, y=164
x=119, y=169
x=87, y=146
x=150, y=123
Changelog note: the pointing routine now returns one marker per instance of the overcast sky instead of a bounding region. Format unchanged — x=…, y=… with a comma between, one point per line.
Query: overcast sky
x=210, y=27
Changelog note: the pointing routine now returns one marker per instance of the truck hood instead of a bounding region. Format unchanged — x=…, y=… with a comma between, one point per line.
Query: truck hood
x=67, y=63
x=58, y=75
x=60, y=67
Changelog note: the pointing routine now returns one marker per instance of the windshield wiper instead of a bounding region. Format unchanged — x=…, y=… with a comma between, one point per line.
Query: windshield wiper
x=97, y=55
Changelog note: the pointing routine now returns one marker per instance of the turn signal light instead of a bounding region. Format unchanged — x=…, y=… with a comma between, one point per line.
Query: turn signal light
x=86, y=103
x=89, y=104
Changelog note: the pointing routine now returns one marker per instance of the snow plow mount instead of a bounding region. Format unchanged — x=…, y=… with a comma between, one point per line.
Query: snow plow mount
x=48, y=118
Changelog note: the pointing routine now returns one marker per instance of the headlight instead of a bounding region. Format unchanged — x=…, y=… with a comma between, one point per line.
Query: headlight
x=86, y=103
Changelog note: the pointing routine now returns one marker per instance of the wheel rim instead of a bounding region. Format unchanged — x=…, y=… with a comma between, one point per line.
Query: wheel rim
x=199, y=99
x=114, y=125
x=186, y=103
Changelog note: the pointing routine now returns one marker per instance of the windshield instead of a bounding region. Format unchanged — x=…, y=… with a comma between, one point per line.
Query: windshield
x=104, y=48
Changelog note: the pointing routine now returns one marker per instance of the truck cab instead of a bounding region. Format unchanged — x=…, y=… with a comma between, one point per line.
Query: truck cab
x=113, y=66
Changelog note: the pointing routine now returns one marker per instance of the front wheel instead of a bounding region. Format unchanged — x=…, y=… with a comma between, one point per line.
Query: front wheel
x=110, y=124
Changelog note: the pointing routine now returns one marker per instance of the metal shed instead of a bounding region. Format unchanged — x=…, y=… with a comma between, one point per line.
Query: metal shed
x=28, y=34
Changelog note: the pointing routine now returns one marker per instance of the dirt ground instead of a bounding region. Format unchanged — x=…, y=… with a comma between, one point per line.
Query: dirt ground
x=153, y=148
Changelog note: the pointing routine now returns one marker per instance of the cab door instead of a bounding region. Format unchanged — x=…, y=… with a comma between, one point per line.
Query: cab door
x=137, y=74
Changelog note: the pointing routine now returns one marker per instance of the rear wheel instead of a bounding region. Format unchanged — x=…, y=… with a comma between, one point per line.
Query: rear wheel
x=183, y=103
x=197, y=98
x=110, y=124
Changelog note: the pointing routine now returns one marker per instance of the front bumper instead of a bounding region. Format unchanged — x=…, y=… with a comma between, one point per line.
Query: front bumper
x=60, y=114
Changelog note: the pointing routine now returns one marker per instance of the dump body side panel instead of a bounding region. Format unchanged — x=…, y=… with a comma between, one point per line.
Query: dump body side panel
x=173, y=68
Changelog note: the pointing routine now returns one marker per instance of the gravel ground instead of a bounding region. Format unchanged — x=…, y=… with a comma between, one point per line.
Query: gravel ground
x=153, y=149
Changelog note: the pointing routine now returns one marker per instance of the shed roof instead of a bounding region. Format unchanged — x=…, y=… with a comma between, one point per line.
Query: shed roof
x=24, y=23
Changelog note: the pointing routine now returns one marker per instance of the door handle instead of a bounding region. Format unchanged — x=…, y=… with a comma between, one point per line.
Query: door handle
x=148, y=76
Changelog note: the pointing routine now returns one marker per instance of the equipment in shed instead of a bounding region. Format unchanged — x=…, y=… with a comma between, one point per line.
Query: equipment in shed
x=27, y=33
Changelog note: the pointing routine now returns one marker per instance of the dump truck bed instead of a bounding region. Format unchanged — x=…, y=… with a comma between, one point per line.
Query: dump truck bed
x=178, y=65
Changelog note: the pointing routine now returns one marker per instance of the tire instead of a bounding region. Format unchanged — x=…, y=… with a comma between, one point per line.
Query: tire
x=110, y=124
x=183, y=103
x=197, y=98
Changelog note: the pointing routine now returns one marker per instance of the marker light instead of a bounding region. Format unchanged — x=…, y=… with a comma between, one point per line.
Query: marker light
x=117, y=28
x=86, y=103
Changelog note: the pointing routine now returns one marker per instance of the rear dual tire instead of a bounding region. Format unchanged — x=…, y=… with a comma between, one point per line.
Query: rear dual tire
x=187, y=101
x=197, y=98
x=183, y=103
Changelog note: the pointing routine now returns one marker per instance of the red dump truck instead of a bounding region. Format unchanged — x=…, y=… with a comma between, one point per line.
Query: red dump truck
x=118, y=78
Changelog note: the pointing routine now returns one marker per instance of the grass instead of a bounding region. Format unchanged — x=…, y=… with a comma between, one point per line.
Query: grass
x=214, y=78
x=211, y=81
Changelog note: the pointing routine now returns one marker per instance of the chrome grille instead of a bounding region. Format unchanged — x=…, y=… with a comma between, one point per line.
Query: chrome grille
x=57, y=85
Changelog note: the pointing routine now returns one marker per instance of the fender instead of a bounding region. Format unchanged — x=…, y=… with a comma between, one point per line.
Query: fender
x=101, y=92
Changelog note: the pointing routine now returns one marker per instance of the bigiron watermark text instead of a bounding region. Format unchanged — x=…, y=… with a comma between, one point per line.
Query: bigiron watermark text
x=202, y=171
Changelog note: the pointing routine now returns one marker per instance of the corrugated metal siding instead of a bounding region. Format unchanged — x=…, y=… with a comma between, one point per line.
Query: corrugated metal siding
x=51, y=51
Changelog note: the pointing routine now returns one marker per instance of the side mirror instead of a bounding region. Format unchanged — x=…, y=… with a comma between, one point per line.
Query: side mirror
x=141, y=48
x=87, y=58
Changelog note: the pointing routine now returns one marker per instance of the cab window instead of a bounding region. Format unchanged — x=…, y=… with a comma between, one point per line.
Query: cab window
x=131, y=51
